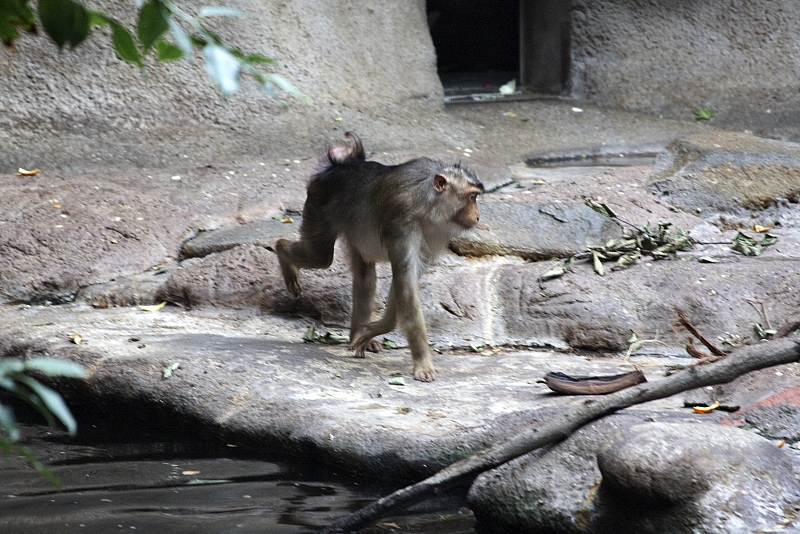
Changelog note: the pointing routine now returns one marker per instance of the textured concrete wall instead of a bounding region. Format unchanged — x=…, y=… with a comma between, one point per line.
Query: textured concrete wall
x=673, y=56
x=374, y=57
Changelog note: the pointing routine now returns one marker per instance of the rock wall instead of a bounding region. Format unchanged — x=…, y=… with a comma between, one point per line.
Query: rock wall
x=376, y=59
x=672, y=57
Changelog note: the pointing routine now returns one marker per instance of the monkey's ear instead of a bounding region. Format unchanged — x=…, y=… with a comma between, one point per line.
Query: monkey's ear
x=439, y=183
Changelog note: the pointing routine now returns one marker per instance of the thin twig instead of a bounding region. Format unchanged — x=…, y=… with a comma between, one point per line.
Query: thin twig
x=762, y=311
x=696, y=333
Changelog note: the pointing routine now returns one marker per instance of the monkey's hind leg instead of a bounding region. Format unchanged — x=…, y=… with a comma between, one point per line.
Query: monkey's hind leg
x=314, y=250
x=384, y=325
x=364, y=280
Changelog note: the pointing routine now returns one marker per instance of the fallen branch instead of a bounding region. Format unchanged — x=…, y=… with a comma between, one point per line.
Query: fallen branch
x=737, y=363
x=702, y=357
x=716, y=351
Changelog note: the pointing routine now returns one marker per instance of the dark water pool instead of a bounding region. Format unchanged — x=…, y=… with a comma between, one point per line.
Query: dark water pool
x=112, y=482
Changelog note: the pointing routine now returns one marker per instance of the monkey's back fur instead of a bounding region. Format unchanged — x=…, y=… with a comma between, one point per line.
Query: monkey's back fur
x=375, y=205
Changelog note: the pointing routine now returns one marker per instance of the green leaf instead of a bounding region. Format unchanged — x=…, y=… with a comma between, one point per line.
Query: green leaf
x=334, y=338
x=11, y=365
x=65, y=21
x=167, y=51
x=8, y=423
x=54, y=367
x=124, y=43
x=285, y=85
x=52, y=401
x=769, y=239
x=217, y=11
x=599, y=207
x=707, y=259
x=181, y=39
x=168, y=371
x=746, y=245
x=558, y=270
x=223, y=67
x=598, y=265
x=14, y=14
x=254, y=59
x=97, y=18
x=311, y=335
x=258, y=58
x=627, y=259
x=39, y=466
x=152, y=24
x=763, y=333
x=389, y=344
x=703, y=114
x=397, y=381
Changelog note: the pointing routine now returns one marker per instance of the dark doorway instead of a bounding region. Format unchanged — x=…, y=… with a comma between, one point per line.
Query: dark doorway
x=477, y=43
x=483, y=44
x=545, y=43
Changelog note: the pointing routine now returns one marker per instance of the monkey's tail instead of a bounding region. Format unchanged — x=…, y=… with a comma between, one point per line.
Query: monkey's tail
x=339, y=155
x=358, y=148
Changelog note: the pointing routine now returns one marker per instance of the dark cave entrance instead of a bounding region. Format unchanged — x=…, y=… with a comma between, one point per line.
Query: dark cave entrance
x=481, y=45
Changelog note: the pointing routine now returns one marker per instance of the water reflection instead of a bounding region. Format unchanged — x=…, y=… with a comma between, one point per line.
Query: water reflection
x=168, y=485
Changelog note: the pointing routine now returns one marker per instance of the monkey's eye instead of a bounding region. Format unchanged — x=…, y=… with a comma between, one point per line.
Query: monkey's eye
x=473, y=197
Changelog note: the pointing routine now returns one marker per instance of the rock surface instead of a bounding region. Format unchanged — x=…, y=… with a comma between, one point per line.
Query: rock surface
x=729, y=177
x=536, y=231
x=200, y=236
x=643, y=472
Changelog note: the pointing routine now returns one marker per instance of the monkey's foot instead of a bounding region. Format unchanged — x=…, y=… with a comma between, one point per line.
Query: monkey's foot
x=288, y=269
x=361, y=346
x=374, y=346
x=424, y=373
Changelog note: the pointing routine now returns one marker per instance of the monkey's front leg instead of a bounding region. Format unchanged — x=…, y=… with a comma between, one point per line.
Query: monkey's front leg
x=412, y=322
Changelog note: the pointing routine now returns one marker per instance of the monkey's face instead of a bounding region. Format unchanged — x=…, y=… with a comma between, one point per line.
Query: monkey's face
x=469, y=215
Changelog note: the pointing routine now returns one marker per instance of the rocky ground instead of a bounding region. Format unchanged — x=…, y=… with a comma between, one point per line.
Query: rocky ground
x=84, y=244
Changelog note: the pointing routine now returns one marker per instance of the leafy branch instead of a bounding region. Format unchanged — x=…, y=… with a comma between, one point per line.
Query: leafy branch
x=14, y=378
x=659, y=243
x=162, y=27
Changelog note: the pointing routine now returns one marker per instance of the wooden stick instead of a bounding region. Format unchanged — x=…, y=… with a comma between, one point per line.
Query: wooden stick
x=696, y=333
x=737, y=363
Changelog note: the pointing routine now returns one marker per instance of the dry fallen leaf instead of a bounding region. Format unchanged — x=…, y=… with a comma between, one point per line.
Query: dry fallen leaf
x=23, y=172
x=389, y=525
x=76, y=338
x=153, y=307
x=781, y=443
x=287, y=220
x=190, y=472
x=113, y=240
x=761, y=229
x=57, y=206
x=706, y=409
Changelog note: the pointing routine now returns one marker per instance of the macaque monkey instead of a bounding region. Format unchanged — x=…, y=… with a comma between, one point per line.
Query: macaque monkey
x=405, y=214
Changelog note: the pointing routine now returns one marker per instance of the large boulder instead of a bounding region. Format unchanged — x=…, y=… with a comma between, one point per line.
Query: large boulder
x=624, y=474
x=536, y=231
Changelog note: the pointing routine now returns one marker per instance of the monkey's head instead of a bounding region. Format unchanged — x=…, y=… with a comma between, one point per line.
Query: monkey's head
x=458, y=190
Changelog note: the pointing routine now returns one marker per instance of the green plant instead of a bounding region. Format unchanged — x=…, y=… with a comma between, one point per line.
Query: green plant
x=703, y=114
x=161, y=26
x=15, y=379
